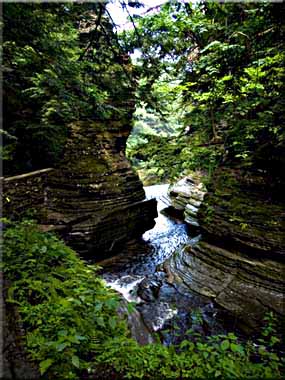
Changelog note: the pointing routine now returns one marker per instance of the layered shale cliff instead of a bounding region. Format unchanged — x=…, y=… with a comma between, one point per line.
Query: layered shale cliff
x=93, y=198
x=245, y=209
x=239, y=261
x=95, y=193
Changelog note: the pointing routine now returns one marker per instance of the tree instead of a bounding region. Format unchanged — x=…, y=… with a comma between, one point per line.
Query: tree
x=229, y=61
x=60, y=63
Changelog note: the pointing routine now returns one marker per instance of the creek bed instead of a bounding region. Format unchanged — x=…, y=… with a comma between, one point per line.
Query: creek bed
x=141, y=272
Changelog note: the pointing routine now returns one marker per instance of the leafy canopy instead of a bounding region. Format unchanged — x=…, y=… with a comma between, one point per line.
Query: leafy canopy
x=228, y=61
x=62, y=62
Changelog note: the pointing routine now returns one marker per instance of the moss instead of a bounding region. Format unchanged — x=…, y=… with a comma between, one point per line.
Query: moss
x=93, y=165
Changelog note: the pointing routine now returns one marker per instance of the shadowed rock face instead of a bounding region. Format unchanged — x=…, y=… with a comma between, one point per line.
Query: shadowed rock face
x=186, y=196
x=94, y=199
x=95, y=192
x=239, y=261
x=247, y=287
x=242, y=218
x=245, y=209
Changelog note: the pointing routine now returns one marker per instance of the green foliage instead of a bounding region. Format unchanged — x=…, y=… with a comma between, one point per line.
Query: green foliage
x=60, y=61
x=64, y=306
x=72, y=327
x=164, y=159
x=219, y=357
x=227, y=60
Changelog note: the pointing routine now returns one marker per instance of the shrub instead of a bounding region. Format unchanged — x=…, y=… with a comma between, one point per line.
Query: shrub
x=65, y=308
x=72, y=329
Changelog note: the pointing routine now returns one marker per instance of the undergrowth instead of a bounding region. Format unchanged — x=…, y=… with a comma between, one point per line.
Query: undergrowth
x=72, y=328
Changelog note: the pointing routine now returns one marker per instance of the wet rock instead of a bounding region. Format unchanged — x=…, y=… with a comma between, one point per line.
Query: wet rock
x=247, y=287
x=186, y=196
x=178, y=309
x=156, y=313
x=139, y=330
x=149, y=288
x=168, y=292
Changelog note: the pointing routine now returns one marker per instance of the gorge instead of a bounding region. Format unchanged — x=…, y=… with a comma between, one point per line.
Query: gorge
x=96, y=202
x=143, y=191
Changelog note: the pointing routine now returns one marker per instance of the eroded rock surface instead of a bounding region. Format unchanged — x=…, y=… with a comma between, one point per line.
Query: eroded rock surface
x=94, y=198
x=239, y=261
x=246, y=209
x=186, y=196
x=247, y=287
x=95, y=193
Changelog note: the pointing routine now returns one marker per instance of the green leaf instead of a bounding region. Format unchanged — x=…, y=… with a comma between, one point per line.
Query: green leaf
x=43, y=249
x=112, y=323
x=184, y=343
x=60, y=347
x=236, y=348
x=100, y=321
x=98, y=306
x=80, y=337
x=214, y=44
x=75, y=361
x=225, y=345
x=44, y=365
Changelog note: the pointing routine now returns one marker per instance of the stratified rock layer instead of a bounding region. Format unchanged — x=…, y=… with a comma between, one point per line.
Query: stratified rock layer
x=247, y=287
x=187, y=195
x=239, y=260
x=95, y=193
x=245, y=209
x=94, y=199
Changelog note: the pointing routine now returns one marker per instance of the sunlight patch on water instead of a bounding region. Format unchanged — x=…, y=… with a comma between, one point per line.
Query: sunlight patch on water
x=126, y=285
x=162, y=223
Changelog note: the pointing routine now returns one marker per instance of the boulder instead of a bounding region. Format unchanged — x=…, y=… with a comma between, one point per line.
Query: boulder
x=187, y=195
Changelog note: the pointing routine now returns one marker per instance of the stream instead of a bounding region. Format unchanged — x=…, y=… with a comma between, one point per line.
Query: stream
x=165, y=308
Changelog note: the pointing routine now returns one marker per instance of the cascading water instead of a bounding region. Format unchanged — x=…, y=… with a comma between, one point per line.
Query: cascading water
x=140, y=272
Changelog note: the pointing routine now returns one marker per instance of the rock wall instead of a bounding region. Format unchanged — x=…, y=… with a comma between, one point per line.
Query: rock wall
x=244, y=286
x=186, y=196
x=24, y=192
x=239, y=260
x=245, y=209
x=94, y=199
x=95, y=192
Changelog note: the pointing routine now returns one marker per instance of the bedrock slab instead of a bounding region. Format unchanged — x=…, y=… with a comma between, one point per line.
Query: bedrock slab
x=248, y=287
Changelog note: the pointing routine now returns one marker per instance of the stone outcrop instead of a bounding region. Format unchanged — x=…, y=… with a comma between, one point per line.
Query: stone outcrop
x=95, y=192
x=94, y=199
x=239, y=260
x=245, y=209
x=186, y=196
x=245, y=286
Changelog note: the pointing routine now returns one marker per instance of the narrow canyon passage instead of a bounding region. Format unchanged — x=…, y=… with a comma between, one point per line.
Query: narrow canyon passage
x=141, y=273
